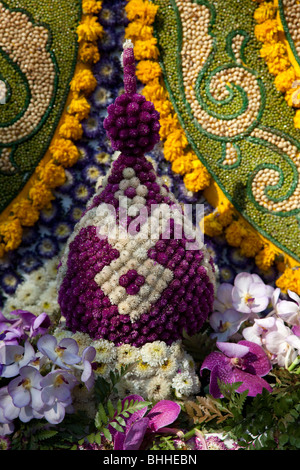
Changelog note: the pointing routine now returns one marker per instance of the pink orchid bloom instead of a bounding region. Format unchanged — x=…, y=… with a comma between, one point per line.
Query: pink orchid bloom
x=244, y=362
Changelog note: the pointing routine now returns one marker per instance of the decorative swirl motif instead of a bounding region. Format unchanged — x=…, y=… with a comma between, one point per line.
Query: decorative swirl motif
x=197, y=45
x=193, y=60
x=37, y=67
x=33, y=60
x=270, y=178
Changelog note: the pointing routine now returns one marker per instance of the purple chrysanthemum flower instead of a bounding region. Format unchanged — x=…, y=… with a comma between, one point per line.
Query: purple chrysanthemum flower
x=244, y=362
x=107, y=16
x=9, y=281
x=62, y=230
x=47, y=247
x=92, y=126
x=101, y=97
x=108, y=40
x=29, y=262
x=51, y=213
x=92, y=173
x=107, y=71
x=71, y=180
x=82, y=192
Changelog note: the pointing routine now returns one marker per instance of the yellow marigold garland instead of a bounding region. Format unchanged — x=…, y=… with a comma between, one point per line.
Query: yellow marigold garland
x=62, y=153
x=275, y=51
x=141, y=15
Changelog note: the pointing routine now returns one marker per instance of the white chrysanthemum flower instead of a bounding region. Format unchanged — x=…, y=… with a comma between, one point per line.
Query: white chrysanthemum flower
x=51, y=268
x=51, y=291
x=127, y=354
x=187, y=363
x=103, y=369
x=60, y=333
x=40, y=278
x=183, y=383
x=154, y=354
x=105, y=351
x=157, y=389
x=127, y=386
x=27, y=293
x=176, y=350
x=83, y=340
x=169, y=367
x=12, y=304
x=143, y=370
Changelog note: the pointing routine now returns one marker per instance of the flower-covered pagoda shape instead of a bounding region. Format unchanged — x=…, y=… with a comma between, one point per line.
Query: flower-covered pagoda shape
x=126, y=276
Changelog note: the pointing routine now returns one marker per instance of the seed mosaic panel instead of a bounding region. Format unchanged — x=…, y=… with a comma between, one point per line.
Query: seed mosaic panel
x=235, y=119
x=38, y=52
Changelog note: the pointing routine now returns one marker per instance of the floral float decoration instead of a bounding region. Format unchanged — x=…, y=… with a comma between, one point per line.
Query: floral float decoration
x=135, y=276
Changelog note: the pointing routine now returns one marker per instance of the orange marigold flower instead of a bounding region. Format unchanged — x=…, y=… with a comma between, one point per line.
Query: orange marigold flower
x=25, y=212
x=80, y=107
x=88, y=52
x=11, y=233
x=71, y=128
x=143, y=11
x=198, y=179
x=91, y=6
x=40, y=195
x=146, y=49
x=51, y=174
x=89, y=29
x=83, y=81
x=266, y=31
x=148, y=70
x=64, y=152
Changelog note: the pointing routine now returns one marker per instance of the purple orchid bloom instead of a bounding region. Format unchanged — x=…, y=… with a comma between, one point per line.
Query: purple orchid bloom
x=66, y=352
x=14, y=357
x=25, y=390
x=57, y=385
x=87, y=375
x=55, y=413
x=138, y=426
x=244, y=362
x=226, y=324
x=8, y=411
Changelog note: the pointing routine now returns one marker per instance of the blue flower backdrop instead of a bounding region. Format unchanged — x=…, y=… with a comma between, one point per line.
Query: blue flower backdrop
x=138, y=343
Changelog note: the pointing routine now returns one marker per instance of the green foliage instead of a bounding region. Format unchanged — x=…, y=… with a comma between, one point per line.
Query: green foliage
x=40, y=435
x=110, y=415
x=269, y=421
x=104, y=388
x=198, y=346
x=162, y=442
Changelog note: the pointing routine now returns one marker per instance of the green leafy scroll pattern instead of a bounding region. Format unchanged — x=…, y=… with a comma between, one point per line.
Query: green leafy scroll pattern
x=235, y=120
x=36, y=88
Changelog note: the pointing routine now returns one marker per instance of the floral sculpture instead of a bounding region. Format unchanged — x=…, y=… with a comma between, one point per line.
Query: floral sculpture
x=126, y=277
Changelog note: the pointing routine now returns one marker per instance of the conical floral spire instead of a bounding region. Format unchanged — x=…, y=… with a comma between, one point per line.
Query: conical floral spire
x=132, y=123
x=141, y=287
